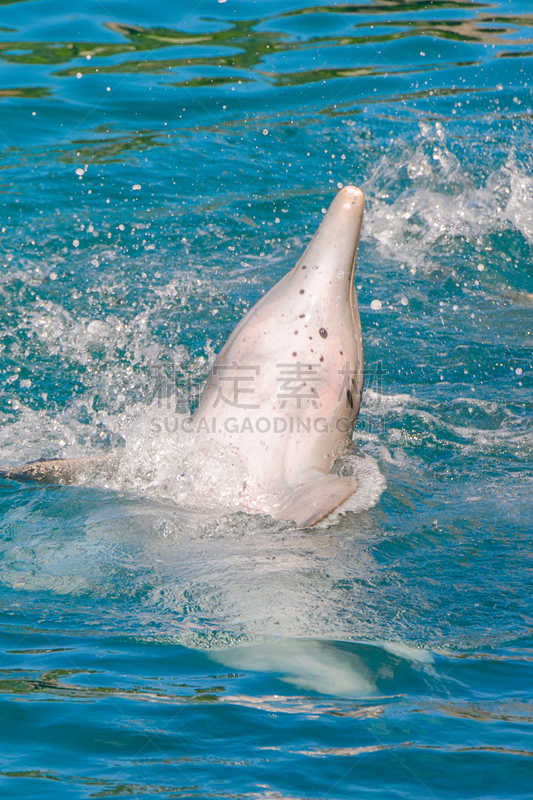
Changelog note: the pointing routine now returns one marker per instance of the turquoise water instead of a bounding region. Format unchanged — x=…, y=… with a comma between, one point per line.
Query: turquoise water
x=162, y=165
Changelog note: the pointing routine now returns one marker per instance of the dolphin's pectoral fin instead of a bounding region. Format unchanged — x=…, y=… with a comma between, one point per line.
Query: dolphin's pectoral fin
x=58, y=471
x=316, y=498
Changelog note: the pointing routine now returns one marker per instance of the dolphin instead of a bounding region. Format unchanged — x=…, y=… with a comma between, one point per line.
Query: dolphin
x=283, y=394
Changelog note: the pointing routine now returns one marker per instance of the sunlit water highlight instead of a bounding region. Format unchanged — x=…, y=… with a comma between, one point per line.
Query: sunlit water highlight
x=161, y=168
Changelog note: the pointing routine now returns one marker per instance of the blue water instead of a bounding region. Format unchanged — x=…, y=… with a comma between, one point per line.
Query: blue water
x=162, y=165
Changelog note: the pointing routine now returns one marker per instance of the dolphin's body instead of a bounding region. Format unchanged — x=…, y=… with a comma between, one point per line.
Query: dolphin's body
x=284, y=392
x=294, y=364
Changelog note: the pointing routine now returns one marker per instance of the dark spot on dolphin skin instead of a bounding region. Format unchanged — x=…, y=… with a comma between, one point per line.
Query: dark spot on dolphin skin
x=302, y=291
x=340, y=351
x=321, y=358
x=302, y=316
x=323, y=332
x=295, y=354
x=304, y=266
x=295, y=332
x=349, y=397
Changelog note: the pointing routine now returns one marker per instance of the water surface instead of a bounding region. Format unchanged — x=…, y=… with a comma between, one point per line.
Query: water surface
x=162, y=166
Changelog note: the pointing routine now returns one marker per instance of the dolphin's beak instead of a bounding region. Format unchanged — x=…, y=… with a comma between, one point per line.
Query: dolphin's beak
x=330, y=256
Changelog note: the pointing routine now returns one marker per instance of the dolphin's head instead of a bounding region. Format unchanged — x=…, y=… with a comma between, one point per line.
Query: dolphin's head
x=308, y=318
x=319, y=298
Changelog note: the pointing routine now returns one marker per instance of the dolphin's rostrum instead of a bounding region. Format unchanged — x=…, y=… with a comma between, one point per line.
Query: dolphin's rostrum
x=284, y=392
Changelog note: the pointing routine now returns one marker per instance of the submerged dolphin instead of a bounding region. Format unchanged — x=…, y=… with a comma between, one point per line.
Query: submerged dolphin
x=284, y=392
